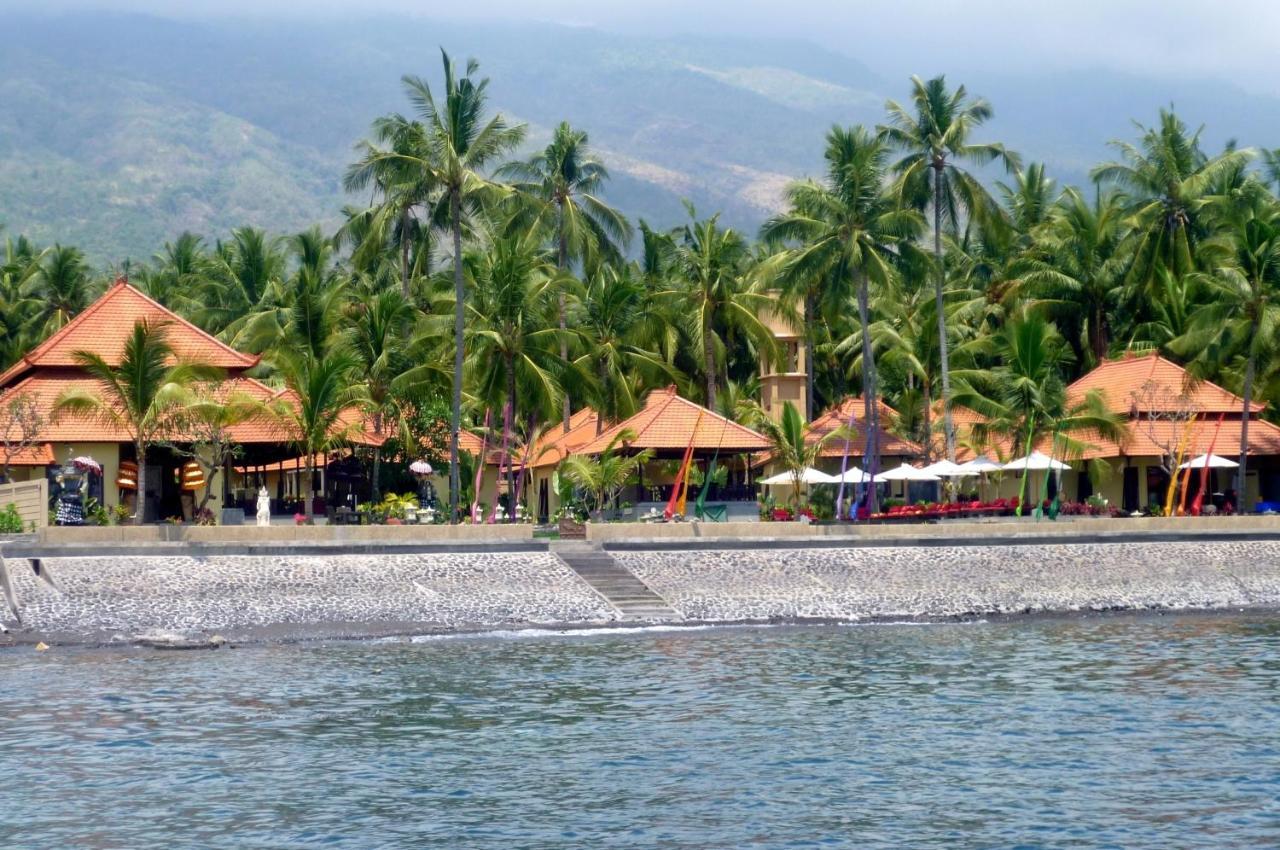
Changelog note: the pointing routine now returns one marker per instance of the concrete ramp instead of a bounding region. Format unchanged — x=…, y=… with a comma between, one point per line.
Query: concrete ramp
x=633, y=599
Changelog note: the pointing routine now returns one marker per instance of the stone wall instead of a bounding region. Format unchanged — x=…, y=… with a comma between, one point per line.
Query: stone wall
x=944, y=581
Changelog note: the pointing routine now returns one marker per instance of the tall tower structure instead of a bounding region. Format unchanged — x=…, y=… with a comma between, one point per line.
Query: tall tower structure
x=787, y=379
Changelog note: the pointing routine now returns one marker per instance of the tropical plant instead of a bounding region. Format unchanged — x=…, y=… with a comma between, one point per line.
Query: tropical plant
x=559, y=192
x=789, y=445
x=936, y=139
x=606, y=474
x=139, y=396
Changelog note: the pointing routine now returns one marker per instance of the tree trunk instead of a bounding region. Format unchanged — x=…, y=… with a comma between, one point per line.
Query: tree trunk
x=709, y=360
x=1244, y=429
x=871, y=409
x=562, y=263
x=376, y=484
x=942, y=317
x=508, y=422
x=809, y=309
x=404, y=253
x=459, y=295
x=928, y=421
x=1098, y=336
x=140, y=510
x=308, y=496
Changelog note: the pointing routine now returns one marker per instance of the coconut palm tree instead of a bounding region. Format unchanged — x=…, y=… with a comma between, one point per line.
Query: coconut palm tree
x=711, y=289
x=606, y=474
x=1241, y=317
x=512, y=331
x=409, y=191
x=1024, y=396
x=1166, y=177
x=936, y=139
x=789, y=443
x=848, y=232
x=321, y=390
x=181, y=275
x=610, y=317
x=63, y=286
x=375, y=337
x=461, y=145
x=140, y=395
x=1079, y=272
x=560, y=186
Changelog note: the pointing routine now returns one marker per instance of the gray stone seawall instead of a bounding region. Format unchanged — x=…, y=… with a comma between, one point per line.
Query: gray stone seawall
x=105, y=597
x=887, y=582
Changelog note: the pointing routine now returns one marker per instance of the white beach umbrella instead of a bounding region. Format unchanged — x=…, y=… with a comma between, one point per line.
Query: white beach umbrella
x=980, y=465
x=852, y=475
x=947, y=469
x=1210, y=462
x=1035, y=461
x=907, y=473
x=808, y=476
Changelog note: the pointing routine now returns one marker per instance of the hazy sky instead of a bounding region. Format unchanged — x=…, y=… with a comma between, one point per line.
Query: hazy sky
x=1238, y=41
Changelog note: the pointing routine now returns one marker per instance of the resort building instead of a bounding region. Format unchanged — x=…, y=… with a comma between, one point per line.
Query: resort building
x=52, y=369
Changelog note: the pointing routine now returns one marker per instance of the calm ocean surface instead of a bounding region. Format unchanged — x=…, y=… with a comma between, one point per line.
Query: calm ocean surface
x=1112, y=732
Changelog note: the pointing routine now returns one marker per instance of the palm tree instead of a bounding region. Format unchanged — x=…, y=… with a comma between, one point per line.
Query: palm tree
x=461, y=144
x=140, y=396
x=1024, y=395
x=610, y=317
x=1080, y=271
x=789, y=446
x=605, y=475
x=19, y=308
x=405, y=186
x=848, y=232
x=64, y=287
x=321, y=390
x=1241, y=316
x=713, y=293
x=181, y=276
x=375, y=337
x=513, y=334
x=564, y=181
x=1167, y=177
x=936, y=140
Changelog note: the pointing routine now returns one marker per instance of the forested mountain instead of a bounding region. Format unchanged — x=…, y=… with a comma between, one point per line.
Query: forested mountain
x=121, y=131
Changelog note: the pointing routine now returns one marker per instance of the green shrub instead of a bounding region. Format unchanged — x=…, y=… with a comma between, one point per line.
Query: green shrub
x=10, y=521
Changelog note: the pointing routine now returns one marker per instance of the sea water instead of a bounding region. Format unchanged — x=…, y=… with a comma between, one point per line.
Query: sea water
x=1127, y=732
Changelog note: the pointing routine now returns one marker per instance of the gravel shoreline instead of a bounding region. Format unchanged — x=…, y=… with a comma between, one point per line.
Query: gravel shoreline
x=184, y=602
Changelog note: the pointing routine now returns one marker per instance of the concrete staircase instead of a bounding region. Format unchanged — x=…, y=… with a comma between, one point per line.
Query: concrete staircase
x=631, y=597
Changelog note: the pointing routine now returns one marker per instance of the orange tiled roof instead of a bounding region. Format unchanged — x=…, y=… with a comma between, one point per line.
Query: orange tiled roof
x=667, y=422
x=1145, y=439
x=39, y=454
x=838, y=417
x=46, y=387
x=555, y=444
x=104, y=326
x=1118, y=380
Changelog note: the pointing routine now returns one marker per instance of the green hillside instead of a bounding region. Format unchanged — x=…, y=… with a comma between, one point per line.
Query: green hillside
x=122, y=131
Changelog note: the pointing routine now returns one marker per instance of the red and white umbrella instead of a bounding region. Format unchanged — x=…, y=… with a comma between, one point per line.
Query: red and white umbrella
x=420, y=467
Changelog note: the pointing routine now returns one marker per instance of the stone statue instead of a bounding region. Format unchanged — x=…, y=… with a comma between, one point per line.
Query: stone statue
x=264, y=507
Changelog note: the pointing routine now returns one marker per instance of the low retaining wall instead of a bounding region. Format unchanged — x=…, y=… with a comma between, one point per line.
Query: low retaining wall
x=283, y=534
x=632, y=535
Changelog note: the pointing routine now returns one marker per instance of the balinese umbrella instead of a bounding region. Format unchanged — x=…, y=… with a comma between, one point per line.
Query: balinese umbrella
x=84, y=463
x=852, y=475
x=808, y=476
x=420, y=468
x=1036, y=461
x=1209, y=462
x=906, y=472
x=947, y=469
x=981, y=465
